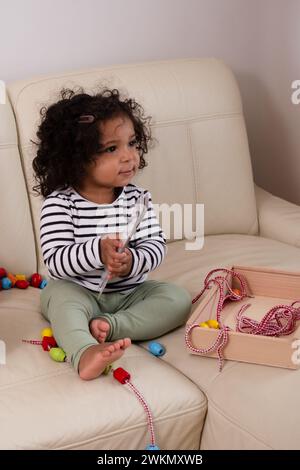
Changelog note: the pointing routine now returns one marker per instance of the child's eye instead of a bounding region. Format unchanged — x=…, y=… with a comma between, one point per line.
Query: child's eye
x=110, y=149
x=133, y=143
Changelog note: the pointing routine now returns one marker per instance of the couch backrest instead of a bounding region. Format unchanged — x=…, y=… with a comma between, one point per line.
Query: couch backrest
x=17, y=242
x=202, y=153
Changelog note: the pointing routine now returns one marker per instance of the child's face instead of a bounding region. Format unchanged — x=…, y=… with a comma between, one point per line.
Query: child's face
x=118, y=160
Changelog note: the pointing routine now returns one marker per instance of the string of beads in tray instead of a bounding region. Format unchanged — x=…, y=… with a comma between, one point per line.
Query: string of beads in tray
x=278, y=321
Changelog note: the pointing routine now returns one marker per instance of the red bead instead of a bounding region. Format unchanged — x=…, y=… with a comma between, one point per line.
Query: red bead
x=121, y=375
x=2, y=273
x=21, y=284
x=48, y=343
x=36, y=279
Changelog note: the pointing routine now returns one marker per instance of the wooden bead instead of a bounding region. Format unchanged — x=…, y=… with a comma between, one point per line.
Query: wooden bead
x=46, y=332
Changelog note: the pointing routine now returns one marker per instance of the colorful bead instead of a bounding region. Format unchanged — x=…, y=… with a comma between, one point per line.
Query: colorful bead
x=6, y=283
x=22, y=284
x=20, y=277
x=152, y=447
x=156, y=349
x=237, y=292
x=2, y=273
x=48, y=342
x=43, y=284
x=204, y=324
x=213, y=324
x=46, y=332
x=57, y=354
x=35, y=280
x=121, y=375
x=107, y=369
x=12, y=278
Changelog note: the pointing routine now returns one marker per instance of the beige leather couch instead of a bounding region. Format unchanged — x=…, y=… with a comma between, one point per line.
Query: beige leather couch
x=202, y=156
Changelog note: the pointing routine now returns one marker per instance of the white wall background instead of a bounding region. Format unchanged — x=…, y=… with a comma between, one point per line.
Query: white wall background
x=273, y=121
x=259, y=39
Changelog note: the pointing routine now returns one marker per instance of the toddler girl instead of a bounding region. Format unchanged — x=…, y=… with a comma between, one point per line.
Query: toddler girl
x=90, y=147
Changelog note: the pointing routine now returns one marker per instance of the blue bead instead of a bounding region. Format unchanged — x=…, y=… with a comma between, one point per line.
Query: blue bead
x=6, y=283
x=43, y=284
x=156, y=349
x=152, y=447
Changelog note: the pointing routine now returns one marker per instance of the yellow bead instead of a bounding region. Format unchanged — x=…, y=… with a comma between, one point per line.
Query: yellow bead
x=20, y=277
x=204, y=325
x=46, y=332
x=213, y=324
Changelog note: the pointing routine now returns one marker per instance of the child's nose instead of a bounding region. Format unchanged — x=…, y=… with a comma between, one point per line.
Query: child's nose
x=127, y=154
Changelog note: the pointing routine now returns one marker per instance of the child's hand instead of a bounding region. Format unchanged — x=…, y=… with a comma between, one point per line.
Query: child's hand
x=126, y=263
x=118, y=264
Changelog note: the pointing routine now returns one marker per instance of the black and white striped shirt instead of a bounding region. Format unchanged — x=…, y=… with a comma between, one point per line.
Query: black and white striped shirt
x=71, y=228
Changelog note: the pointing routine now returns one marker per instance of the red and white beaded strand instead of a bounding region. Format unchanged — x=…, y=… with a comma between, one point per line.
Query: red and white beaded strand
x=32, y=341
x=280, y=320
x=222, y=338
x=123, y=377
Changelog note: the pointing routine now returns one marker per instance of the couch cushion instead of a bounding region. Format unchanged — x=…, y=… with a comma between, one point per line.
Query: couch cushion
x=45, y=405
x=198, y=123
x=249, y=406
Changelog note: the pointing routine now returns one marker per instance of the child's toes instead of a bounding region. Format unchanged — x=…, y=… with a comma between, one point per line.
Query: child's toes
x=125, y=343
x=112, y=348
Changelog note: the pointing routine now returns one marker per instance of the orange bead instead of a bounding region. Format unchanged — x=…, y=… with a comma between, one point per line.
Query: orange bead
x=12, y=279
x=237, y=291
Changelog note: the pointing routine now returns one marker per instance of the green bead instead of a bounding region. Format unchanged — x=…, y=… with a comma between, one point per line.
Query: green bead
x=107, y=369
x=57, y=354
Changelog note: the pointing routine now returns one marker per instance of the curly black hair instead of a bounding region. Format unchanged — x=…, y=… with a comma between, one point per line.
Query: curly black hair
x=69, y=135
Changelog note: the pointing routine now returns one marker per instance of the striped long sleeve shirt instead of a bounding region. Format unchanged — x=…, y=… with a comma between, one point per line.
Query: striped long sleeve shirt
x=71, y=228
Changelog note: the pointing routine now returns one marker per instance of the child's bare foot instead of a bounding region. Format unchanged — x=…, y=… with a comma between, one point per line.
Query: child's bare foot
x=99, y=328
x=94, y=359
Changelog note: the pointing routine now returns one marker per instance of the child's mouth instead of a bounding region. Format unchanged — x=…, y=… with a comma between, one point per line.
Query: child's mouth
x=126, y=173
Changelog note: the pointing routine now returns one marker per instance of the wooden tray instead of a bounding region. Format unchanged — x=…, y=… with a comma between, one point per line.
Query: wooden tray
x=269, y=287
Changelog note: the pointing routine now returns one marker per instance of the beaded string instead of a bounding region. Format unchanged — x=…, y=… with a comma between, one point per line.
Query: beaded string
x=279, y=320
x=146, y=408
x=208, y=281
x=219, y=344
x=223, y=337
x=123, y=377
x=32, y=341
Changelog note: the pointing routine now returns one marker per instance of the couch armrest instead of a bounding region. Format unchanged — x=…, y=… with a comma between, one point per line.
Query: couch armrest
x=278, y=219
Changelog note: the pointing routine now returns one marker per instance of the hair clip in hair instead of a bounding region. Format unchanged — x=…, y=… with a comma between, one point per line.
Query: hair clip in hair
x=86, y=119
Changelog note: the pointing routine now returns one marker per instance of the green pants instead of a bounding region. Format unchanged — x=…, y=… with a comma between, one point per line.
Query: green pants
x=152, y=309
